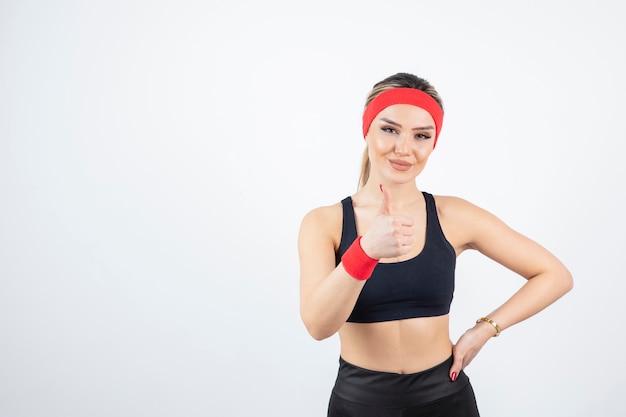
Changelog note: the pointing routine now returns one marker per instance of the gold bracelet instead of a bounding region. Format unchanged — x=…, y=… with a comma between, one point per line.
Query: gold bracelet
x=493, y=323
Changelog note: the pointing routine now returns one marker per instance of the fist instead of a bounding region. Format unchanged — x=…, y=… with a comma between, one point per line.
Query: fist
x=389, y=235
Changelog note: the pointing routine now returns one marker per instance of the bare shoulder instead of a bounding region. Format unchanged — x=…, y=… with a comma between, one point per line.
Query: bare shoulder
x=324, y=215
x=324, y=222
x=462, y=220
x=448, y=201
x=455, y=207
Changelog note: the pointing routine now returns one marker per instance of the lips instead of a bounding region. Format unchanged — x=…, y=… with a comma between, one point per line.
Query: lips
x=400, y=165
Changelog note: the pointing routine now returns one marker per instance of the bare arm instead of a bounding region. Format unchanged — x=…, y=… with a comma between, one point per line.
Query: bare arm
x=328, y=293
x=547, y=278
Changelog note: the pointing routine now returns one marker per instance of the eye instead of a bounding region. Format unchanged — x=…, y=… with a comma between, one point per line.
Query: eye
x=423, y=136
x=388, y=129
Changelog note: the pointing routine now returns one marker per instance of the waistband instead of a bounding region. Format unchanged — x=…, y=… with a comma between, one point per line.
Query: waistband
x=391, y=390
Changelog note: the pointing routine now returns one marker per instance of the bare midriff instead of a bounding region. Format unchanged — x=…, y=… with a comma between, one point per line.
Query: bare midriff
x=400, y=346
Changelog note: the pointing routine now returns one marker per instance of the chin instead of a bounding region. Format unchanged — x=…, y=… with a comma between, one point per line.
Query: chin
x=404, y=176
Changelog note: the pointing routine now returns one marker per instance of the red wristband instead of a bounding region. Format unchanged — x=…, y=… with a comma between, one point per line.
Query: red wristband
x=356, y=262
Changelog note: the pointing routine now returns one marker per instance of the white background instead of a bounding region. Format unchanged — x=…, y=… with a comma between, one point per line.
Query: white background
x=156, y=159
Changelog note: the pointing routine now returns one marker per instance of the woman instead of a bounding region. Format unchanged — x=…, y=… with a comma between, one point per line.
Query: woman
x=378, y=268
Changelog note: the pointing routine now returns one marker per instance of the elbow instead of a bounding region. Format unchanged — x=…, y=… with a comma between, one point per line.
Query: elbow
x=316, y=329
x=317, y=334
x=565, y=281
x=568, y=281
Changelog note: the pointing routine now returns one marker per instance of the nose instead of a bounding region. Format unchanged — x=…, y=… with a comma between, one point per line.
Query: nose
x=403, y=144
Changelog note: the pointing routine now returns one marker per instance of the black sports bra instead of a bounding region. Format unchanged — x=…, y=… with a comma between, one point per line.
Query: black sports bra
x=422, y=286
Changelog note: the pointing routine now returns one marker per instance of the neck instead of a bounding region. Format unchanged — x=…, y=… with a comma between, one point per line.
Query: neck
x=403, y=195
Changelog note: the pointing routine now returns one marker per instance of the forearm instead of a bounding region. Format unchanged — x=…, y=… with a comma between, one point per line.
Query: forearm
x=535, y=295
x=328, y=307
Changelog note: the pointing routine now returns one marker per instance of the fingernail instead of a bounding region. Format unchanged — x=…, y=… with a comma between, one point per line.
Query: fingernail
x=453, y=376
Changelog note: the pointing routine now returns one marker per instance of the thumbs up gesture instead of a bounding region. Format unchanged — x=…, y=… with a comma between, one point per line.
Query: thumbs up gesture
x=389, y=235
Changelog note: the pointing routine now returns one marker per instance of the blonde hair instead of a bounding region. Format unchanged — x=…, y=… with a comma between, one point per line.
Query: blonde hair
x=399, y=80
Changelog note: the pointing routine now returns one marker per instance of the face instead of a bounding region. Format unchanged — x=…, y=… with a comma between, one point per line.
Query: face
x=400, y=140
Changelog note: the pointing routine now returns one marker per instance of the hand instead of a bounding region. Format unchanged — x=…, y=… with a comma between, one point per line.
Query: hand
x=389, y=236
x=467, y=347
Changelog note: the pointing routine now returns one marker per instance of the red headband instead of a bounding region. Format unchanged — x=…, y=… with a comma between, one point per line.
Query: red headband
x=403, y=96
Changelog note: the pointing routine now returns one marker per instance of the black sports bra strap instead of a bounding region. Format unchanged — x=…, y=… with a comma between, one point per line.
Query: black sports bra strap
x=432, y=223
x=431, y=210
x=348, y=230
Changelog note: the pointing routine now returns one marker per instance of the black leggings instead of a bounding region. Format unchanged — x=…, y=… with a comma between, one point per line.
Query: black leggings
x=430, y=393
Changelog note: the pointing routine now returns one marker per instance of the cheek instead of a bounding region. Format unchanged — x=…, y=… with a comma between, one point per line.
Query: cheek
x=378, y=143
x=377, y=147
x=423, y=152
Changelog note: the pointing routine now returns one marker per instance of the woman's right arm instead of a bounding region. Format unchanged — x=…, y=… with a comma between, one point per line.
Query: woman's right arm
x=327, y=293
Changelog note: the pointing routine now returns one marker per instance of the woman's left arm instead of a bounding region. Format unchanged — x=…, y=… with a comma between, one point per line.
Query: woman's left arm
x=547, y=278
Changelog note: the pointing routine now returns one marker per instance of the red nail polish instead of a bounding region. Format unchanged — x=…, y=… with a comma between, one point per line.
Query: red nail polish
x=453, y=376
x=381, y=187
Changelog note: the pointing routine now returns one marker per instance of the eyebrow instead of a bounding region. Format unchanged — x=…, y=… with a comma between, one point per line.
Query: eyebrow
x=391, y=122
